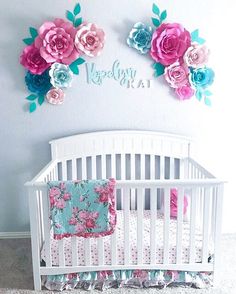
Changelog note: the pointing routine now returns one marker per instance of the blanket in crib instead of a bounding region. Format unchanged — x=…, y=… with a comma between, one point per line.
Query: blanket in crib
x=82, y=208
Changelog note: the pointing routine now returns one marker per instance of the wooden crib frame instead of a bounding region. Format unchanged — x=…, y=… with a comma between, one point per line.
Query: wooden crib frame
x=140, y=161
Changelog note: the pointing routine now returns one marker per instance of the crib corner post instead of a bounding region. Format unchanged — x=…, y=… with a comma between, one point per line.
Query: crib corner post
x=35, y=243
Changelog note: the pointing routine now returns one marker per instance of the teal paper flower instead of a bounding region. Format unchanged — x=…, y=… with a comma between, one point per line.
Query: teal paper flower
x=38, y=84
x=61, y=75
x=140, y=37
x=202, y=77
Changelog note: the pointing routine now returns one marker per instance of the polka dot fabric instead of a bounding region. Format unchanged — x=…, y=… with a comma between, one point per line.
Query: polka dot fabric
x=133, y=243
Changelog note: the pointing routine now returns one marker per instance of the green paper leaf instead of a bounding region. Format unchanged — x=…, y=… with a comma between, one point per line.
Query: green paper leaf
x=207, y=101
x=70, y=16
x=155, y=9
x=74, y=68
x=78, y=22
x=159, y=69
x=77, y=9
x=33, y=32
x=155, y=22
x=31, y=97
x=79, y=61
x=207, y=93
x=40, y=100
x=28, y=41
x=32, y=107
x=199, y=95
x=163, y=15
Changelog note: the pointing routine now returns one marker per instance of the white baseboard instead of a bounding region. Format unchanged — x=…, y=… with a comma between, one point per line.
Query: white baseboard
x=14, y=235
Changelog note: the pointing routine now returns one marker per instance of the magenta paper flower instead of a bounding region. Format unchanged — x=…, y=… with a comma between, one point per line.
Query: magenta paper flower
x=56, y=42
x=169, y=43
x=185, y=92
x=89, y=39
x=33, y=61
x=196, y=55
x=177, y=75
x=55, y=96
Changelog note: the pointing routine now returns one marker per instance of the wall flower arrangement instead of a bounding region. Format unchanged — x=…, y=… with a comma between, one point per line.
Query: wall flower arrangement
x=53, y=55
x=180, y=56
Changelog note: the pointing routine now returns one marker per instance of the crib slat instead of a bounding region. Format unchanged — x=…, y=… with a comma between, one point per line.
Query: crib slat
x=140, y=201
x=193, y=225
x=122, y=166
x=61, y=252
x=74, y=249
x=113, y=165
x=142, y=166
x=172, y=168
x=64, y=171
x=162, y=167
x=207, y=195
x=132, y=177
x=152, y=166
x=126, y=201
x=84, y=168
x=103, y=163
x=179, y=226
x=74, y=169
x=94, y=171
x=166, y=224
x=153, y=225
x=46, y=225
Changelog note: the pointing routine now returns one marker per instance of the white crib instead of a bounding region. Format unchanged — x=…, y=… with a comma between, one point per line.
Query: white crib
x=146, y=166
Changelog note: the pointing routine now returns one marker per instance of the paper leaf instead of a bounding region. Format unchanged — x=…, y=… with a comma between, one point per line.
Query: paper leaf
x=33, y=32
x=32, y=107
x=28, y=41
x=163, y=15
x=207, y=101
x=207, y=93
x=155, y=22
x=70, y=16
x=79, y=61
x=77, y=9
x=159, y=69
x=199, y=95
x=155, y=9
x=200, y=40
x=74, y=68
x=78, y=22
x=194, y=34
x=31, y=97
x=40, y=100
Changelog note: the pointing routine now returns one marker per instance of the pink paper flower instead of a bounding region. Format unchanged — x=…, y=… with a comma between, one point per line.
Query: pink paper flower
x=177, y=75
x=56, y=42
x=185, y=92
x=55, y=96
x=174, y=203
x=89, y=39
x=33, y=61
x=196, y=55
x=169, y=43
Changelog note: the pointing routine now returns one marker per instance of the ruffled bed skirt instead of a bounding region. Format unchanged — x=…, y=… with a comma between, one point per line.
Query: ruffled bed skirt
x=103, y=280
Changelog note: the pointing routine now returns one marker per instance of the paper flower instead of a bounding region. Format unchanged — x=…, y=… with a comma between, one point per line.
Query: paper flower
x=89, y=39
x=55, y=96
x=33, y=61
x=202, y=77
x=169, y=43
x=39, y=84
x=140, y=37
x=61, y=75
x=185, y=92
x=176, y=75
x=56, y=41
x=196, y=55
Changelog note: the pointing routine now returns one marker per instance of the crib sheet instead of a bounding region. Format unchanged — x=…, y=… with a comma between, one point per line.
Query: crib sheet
x=133, y=243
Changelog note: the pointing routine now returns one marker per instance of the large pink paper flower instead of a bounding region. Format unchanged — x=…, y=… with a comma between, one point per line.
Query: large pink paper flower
x=185, y=92
x=177, y=75
x=33, y=61
x=56, y=42
x=196, y=55
x=169, y=43
x=89, y=39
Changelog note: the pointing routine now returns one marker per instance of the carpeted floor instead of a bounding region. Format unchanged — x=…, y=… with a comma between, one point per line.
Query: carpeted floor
x=16, y=271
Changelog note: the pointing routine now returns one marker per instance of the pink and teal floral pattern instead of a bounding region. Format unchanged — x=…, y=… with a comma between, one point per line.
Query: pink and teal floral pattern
x=82, y=208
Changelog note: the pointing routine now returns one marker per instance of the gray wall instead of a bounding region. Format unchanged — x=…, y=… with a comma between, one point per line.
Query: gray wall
x=24, y=148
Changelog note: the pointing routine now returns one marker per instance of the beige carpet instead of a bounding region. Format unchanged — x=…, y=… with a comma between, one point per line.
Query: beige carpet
x=16, y=271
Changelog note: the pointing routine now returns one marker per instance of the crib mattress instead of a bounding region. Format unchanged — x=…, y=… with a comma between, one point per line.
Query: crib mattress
x=133, y=243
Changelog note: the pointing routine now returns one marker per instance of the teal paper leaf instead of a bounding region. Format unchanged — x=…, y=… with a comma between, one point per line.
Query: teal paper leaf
x=195, y=37
x=32, y=107
x=74, y=68
x=28, y=41
x=78, y=22
x=159, y=69
x=207, y=101
x=40, y=100
x=70, y=16
x=31, y=97
x=207, y=93
x=163, y=15
x=200, y=41
x=199, y=95
x=33, y=32
x=194, y=34
x=79, y=61
x=77, y=9
x=155, y=9
x=155, y=22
